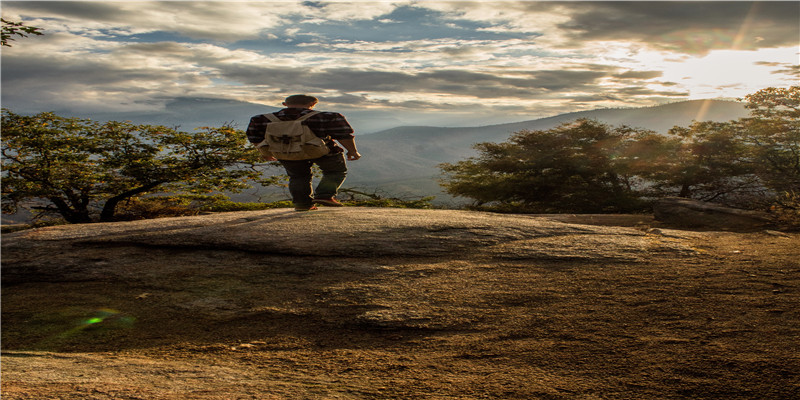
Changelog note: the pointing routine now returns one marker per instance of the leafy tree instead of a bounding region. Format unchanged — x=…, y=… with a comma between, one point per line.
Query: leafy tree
x=83, y=169
x=705, y=161
x=588, y=167
x=772, y=134
x=360, y=198
x=11, y=29
x=743, y=162
x=576, y=167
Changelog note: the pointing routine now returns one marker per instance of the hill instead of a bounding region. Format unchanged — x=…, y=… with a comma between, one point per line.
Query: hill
x=408, y=156
x=398, y=304
x=187, y=113
x=193, y=112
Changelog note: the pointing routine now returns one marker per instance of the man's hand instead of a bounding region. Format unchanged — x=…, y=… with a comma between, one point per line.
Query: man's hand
x=349, y=144
x=266, y=155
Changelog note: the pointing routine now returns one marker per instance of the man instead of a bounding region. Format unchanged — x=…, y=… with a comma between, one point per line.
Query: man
x=329, y=126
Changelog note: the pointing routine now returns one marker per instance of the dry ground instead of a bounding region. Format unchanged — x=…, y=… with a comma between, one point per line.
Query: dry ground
x=717, y=321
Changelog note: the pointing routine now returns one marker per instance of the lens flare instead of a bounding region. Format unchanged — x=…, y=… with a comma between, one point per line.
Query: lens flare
x=104, y=318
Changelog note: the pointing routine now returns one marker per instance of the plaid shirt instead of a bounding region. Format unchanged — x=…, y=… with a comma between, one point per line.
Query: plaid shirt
x=327, y=125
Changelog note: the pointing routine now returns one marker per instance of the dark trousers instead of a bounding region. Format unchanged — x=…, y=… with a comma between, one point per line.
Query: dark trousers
x=334, y=170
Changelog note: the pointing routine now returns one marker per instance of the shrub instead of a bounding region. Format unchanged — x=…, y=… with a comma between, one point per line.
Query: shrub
x=357, y=198
x=185, y=205
x=786, y=210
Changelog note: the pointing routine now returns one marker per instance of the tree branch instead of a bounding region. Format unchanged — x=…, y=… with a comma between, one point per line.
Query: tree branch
x=110, y=208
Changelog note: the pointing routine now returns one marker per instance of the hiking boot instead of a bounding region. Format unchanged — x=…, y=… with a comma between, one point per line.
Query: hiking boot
x=306, y=208
x=330, y=202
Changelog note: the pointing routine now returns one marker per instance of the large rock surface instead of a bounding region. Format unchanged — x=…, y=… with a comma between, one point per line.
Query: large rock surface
x=61, y=252
x=363, y=303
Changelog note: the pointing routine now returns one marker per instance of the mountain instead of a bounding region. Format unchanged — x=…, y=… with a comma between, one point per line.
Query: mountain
x=189, y=113
x=404, y=160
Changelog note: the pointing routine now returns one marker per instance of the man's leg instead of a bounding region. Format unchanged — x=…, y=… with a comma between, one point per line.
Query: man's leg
x=299, y=181
x=334, y=170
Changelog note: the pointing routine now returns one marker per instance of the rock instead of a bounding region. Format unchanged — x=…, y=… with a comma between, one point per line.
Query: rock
x=111, y=250
x=688, y=213
x=352, y=232
x=776, y=233
x=342, y=302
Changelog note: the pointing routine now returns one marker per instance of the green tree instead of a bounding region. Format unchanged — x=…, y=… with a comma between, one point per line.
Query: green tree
x=744, y=162
x=586, y=166
x=772, y=134
x=83, y=169
x=11, y=29
x=576, y=167
x=705, y=161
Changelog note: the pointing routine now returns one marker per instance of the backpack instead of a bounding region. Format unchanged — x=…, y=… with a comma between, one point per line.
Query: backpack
x=291, y=140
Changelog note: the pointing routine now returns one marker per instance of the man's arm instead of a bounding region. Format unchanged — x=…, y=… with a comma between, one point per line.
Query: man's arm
x=350, y=145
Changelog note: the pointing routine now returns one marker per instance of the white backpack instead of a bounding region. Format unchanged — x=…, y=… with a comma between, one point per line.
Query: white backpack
x=291, y=140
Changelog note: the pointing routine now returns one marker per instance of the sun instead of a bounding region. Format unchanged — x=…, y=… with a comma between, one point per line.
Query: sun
x=731, y=73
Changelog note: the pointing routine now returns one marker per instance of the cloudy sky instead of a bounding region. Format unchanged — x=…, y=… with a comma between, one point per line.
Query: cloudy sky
x=429, y=61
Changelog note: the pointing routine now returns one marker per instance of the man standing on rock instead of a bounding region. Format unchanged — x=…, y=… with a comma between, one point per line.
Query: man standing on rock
x=327, y=126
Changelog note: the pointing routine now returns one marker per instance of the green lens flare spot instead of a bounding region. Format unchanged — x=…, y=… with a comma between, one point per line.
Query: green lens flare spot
x=94, y=321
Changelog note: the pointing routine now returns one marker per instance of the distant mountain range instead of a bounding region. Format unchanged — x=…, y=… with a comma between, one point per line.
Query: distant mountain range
x=189, y=113
x=404, y=160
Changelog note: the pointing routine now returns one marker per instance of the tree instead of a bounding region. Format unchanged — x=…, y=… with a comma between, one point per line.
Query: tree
x=83, y=169
x=11, y=29
x=586, y=166
x=772, y=134
x=576, y=167
x=744, y=162
x=705, y=161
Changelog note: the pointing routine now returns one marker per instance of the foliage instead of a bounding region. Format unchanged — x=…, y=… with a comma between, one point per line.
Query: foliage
x=357, y=198
x=11, y=29
x=786, y=210
x=195, y=204
x=83, y=168
x=745, y=163
x=772, y=135
x=586, y=166
x=576, y=167
x=706, y=161
x=185, y=205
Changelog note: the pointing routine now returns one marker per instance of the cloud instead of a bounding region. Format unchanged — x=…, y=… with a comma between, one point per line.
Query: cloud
x=518, y=57
x=216, y=21
x=516, y=84
x=779, y=68
x=688, y=27
x=639, y=74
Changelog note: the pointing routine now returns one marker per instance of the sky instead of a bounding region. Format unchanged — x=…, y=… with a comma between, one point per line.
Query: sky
x=435, y=62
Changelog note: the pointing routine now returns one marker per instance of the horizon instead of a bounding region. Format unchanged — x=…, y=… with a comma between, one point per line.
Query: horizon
x=144, y=119
x=400, y=63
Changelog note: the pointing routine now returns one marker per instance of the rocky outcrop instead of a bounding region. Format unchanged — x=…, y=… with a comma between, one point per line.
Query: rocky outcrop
x=688, y=213
x=396, y=303
x=67, y=252
x=152, y=253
